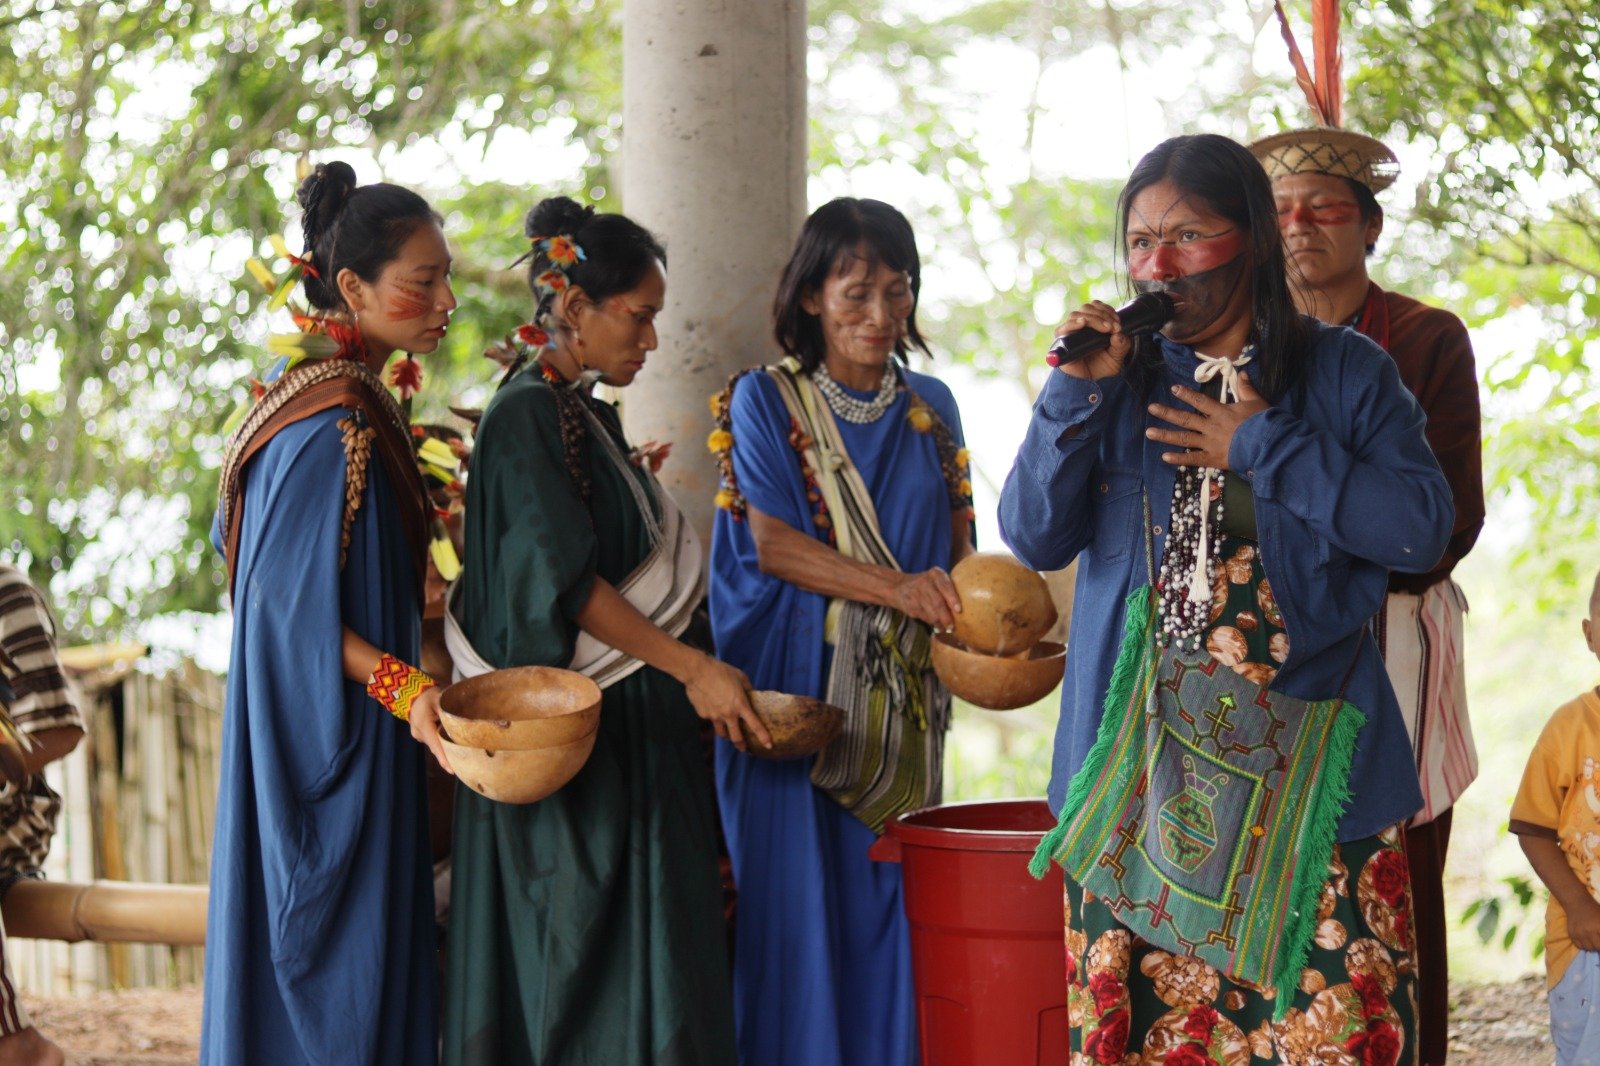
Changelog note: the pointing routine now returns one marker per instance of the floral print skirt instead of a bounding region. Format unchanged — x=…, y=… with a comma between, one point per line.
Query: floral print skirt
x=1132, y=1004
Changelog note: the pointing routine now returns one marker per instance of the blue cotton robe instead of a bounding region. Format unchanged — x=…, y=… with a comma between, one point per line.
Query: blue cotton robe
x=320, y=941
x=822, y=965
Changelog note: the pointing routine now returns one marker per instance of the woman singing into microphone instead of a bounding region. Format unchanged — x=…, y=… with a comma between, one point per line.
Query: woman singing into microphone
x=1230, y=766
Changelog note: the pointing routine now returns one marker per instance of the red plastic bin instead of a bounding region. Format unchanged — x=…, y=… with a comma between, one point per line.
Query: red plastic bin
x=988, y=950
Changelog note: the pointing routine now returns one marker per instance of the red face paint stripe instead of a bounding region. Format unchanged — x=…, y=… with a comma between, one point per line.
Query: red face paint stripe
x=410, y=302
x=1340, y=214
x=1192, y=257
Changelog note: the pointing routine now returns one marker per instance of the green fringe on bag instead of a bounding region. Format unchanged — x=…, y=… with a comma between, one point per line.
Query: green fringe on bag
x=1117, y=795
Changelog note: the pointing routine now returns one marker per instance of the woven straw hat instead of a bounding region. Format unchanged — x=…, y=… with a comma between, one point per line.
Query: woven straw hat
x=1324, y=150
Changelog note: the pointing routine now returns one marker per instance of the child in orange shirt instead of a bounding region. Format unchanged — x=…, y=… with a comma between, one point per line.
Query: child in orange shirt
x=1556, y=817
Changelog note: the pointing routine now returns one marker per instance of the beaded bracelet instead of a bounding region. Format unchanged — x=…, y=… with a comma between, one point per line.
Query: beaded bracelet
x=397, y=686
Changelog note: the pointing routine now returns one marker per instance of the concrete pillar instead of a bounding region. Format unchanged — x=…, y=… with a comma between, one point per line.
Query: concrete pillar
x=713, y=162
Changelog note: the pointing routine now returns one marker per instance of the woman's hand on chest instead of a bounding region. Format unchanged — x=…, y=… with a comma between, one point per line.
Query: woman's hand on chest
x=1204, y=434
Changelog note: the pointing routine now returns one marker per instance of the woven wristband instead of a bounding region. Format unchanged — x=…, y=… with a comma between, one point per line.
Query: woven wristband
x=397, y=686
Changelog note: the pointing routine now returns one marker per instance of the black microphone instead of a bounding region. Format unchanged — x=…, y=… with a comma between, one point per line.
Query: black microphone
x=1144, y=314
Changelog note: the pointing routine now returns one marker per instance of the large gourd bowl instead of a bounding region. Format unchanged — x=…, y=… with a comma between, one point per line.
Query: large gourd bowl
x=521, y=708
x=799, y=725
x=518, y=775
x=1005, y=607
x=998, y=682
x=518, y=735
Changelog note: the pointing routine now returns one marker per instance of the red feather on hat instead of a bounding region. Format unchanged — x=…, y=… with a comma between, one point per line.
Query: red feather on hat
x=1324, y=90
x=1325, y=53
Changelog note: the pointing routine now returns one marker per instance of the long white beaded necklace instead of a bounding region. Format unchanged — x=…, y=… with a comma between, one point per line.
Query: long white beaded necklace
x=847, y=407
x=1188, y=563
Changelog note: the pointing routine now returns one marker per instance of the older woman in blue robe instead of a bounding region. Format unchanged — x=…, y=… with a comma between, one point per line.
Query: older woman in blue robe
x=844, y=498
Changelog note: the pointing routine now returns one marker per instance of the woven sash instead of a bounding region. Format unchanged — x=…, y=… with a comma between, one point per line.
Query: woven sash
x=889, y=756
x=666, y=587
x=302, y=391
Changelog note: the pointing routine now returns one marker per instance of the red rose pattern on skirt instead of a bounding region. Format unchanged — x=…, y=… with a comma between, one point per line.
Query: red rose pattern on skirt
x=1132, y=1004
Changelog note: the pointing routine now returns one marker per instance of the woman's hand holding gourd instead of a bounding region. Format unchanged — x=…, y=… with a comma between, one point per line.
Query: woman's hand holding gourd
x=424, y=721
x=929, y=597
x=720, y=695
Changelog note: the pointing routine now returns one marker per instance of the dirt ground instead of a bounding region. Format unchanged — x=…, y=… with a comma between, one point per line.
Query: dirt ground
x=1492, y=1025
x=1501, y=1025
x=144, y=1027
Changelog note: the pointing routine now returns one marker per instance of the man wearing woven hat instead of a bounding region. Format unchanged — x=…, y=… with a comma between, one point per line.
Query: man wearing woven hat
x=1324, y=181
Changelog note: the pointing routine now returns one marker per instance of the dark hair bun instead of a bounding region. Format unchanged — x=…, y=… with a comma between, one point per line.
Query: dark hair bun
x=322, y=195
x=556, y=215
x=356, y=228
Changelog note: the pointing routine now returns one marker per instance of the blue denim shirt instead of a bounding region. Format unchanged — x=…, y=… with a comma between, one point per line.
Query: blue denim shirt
x=1345, y=490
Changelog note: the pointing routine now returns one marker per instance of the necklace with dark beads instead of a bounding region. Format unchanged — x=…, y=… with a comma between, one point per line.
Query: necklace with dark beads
x=1187, y=581
x=1183, y=615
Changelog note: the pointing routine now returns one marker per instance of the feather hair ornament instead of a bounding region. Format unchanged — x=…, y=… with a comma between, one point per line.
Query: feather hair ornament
x=1323, y=81
x=1327, y=148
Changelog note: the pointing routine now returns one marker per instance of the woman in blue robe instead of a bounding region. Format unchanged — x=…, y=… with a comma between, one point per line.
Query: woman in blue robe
x=320, y=941
x=822, y=971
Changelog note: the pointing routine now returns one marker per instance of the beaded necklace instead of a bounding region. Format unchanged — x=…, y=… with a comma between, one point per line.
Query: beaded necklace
x=847, y=407
x=1187, y=582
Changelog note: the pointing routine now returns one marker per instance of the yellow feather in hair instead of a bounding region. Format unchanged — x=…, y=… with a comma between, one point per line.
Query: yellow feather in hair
x=443, y=553
x=444, y=475
x=437, y=451
x=281, y=297
x=259, y=271
x=297, y=346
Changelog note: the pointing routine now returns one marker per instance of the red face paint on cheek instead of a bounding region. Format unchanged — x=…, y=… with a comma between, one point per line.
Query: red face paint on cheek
x=410, y=302
x=1183, y=258
x=1341, y=213
x=1208, y=253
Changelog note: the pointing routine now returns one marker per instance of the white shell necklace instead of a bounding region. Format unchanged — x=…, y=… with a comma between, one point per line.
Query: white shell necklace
x=847, y=407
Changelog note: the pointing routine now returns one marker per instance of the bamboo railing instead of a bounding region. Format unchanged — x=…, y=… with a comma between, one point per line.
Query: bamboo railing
x=138, y=799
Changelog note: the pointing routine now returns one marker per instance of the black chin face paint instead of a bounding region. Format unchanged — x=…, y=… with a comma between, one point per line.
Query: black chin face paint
x=1202, y=298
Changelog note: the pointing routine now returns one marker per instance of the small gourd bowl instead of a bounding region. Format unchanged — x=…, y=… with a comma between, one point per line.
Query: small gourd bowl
x=799, y=725
x=513, y=775
x=998, y=682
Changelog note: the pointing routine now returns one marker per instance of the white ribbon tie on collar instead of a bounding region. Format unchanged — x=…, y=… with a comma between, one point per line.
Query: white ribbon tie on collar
x=1211, y=366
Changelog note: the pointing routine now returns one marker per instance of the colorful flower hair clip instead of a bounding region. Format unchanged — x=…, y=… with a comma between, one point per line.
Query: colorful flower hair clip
x=561, y=250
x=534, y=336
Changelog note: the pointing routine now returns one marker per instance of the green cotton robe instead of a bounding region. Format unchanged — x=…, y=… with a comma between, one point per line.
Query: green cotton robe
x=585, y=929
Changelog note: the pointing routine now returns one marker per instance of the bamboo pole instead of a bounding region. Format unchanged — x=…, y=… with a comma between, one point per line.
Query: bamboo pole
x=108, y=912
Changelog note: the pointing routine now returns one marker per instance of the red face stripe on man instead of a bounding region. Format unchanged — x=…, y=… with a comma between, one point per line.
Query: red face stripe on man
x=1341, y=213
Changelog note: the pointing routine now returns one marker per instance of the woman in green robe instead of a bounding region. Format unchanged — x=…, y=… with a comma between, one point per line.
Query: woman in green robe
x=587, y=927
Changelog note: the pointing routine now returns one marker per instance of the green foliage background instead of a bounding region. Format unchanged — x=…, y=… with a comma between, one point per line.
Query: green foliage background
x=148, y=147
